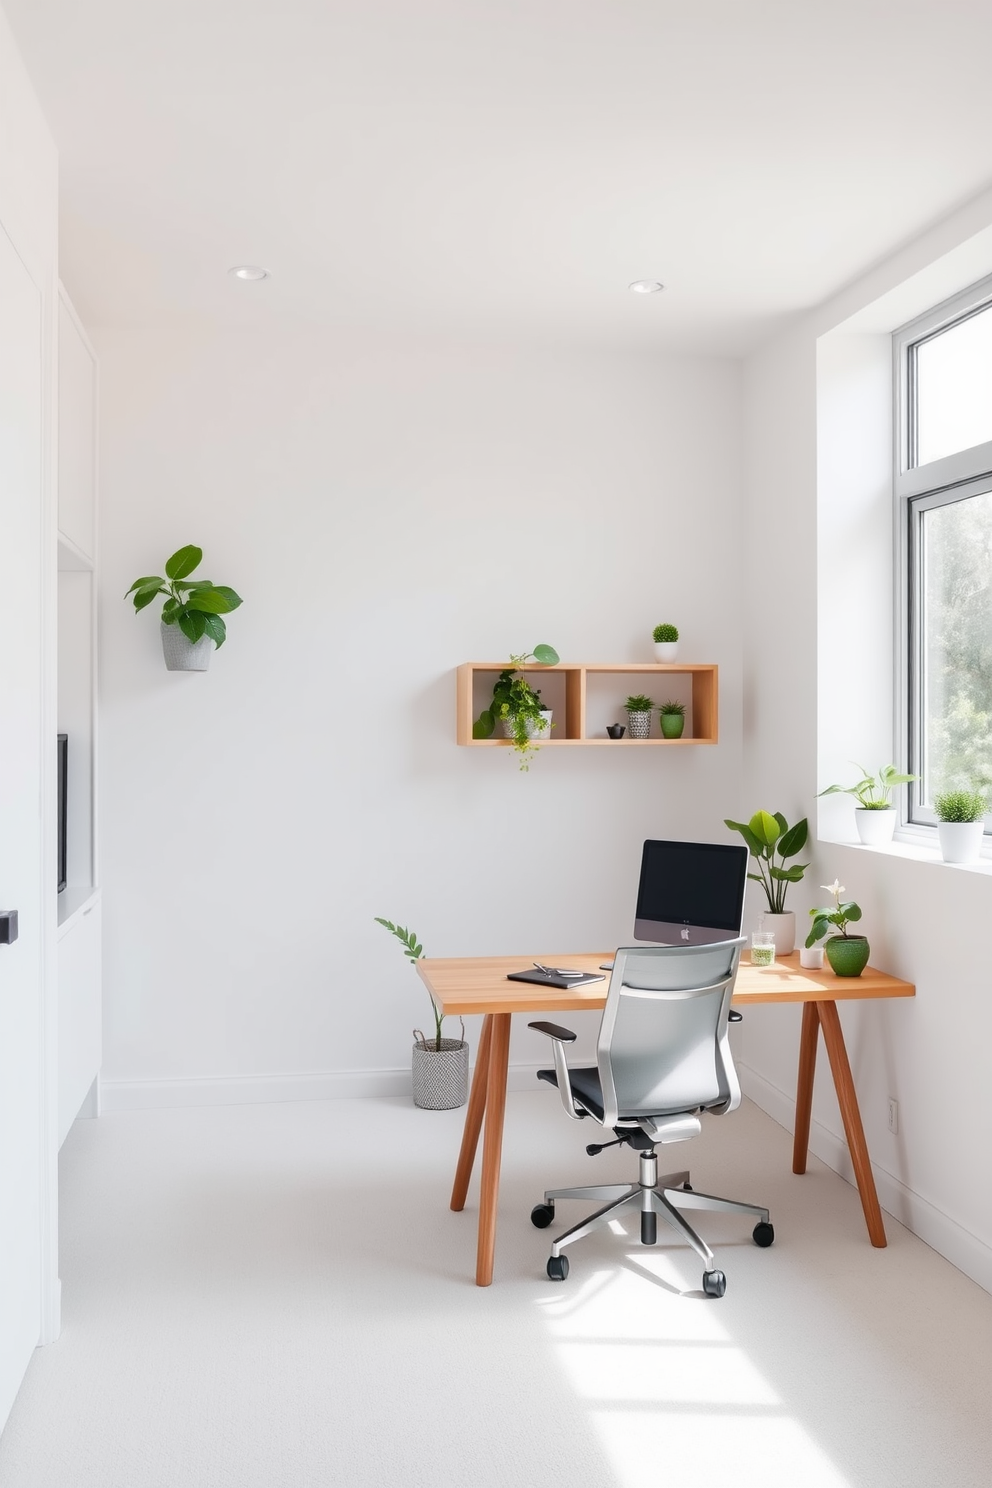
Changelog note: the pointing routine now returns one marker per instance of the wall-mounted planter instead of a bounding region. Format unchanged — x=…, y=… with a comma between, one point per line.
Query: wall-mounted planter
x=182, y=655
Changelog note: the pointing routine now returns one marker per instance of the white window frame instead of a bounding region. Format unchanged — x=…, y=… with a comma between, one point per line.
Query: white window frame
x=918, y=488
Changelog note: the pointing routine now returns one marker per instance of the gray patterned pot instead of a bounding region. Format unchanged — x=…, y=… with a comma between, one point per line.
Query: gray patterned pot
x=440, y=1076
x=182, y=655
x=638, y=724
x=534, y=729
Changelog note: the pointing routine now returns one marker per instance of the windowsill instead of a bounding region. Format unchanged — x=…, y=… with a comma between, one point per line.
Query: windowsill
x=917, y=845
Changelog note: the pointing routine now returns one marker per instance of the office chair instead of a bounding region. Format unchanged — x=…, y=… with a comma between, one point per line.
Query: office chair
x=663, y=1057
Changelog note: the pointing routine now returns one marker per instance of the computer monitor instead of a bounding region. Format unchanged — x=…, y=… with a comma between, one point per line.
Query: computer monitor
x=691, y=893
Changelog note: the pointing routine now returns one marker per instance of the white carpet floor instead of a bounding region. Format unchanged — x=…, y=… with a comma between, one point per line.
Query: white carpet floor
x=278, y=1297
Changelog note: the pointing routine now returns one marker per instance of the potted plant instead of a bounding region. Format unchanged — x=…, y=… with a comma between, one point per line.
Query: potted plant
x=440, y=1065
x=665, y=642
x=639, y=708
x=960, y=827
x=671, y=717
x=518, y=707
x=874, y=815
x=771, y=841
x=192, y=624
x=847, y=954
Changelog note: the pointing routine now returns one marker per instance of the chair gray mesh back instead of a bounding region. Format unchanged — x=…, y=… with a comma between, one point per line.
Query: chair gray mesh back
x=663, y=1046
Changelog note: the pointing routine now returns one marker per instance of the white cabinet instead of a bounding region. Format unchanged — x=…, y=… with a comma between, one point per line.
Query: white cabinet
x=79, y=914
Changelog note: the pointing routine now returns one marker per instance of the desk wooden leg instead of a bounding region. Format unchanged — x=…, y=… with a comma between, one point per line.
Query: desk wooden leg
x=492, y=1147
x=847, y=1099
x=804, y=1087
x=473, y=1117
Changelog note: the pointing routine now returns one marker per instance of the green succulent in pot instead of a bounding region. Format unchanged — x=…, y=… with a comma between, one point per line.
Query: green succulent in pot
x=665, y=634
x=960, y=805
x=671, y=716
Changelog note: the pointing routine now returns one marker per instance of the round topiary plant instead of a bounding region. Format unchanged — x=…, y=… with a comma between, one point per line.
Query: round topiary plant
x=664, y=634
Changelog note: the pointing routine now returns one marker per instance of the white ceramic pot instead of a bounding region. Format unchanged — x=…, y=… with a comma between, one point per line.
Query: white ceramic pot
x=811, y=957
x=875, y=827
x=665, y=650
x=182, y=655
x=960, y=842
x=783, y=927
x=535, y=730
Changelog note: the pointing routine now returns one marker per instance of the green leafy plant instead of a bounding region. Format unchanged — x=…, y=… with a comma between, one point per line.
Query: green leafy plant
x=665, y=633
x=839, y=914
x=638, y=702
x=413, y=949
x=960, y=805
x=672, y=708
x=872, y=792
x=770, y=841
x=515, y=701
x=195, y=605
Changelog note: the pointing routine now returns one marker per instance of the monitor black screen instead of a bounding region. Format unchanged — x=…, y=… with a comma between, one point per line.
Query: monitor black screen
x=61, y=812
x=691, y=892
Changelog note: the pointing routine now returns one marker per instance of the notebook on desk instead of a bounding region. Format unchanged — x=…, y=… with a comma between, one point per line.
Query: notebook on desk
x=554, y=978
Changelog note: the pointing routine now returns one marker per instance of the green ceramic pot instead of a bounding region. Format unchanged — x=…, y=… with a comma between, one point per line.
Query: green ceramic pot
x=672, y=725
x=847, y=954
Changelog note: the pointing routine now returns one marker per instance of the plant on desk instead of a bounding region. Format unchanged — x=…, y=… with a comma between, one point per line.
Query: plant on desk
x=770, y=841
x=847, y=954
x=518, y=706
x=440, y=1065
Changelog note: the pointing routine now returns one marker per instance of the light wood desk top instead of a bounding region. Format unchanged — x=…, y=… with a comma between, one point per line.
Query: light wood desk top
x=477, y=984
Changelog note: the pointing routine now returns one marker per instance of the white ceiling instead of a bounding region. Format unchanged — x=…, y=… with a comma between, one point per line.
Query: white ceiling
x=503, y=167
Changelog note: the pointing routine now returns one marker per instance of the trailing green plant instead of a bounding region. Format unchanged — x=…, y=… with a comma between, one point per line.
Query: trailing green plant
x=515, y=701
x=960, y=805
x=413, y=949
x=770, y=841
x=672, y=708
x=639, y=702
x=665, y=633
x=195, y=605
x=840, y=915
x=872, y=792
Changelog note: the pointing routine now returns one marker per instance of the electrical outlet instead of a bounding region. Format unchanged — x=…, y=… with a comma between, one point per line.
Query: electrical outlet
x=893, y=1115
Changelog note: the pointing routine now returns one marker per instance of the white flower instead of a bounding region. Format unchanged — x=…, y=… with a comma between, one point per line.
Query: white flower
x=835, y=888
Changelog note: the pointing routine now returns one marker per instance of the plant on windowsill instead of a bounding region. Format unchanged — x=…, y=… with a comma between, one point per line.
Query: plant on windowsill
x=960, y=827
x=874, y=815
x=440, y=1065
x=639, y=708
x=665, y=639
x=671, y=717
x=192, y=624
x=770, y=841
x=847, y=954
x=518, y=707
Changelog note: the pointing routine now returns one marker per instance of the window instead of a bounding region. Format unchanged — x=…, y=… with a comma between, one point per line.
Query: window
x=943, y=365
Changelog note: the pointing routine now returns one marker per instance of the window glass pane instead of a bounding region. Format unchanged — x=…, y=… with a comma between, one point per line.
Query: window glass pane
x=956, y=659
x=954, y=389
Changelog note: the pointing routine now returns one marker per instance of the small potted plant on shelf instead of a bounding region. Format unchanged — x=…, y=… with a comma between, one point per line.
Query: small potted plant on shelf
x=518, y=707
x=192, y=624
x=770, y=841
x=440, y=1065
x=960, y=827
x=874, y=815
x=847, y=954
x=639, y=709
x=671, y=717
x=666, y=638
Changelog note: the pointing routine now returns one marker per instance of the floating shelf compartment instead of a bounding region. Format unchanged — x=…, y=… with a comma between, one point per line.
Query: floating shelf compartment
x=588, y=696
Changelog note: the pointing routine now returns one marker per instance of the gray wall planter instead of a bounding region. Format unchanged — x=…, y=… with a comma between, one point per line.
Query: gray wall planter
x=182, y=655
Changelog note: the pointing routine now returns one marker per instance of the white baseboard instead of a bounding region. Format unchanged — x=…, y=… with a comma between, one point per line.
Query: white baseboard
x=943, y=1234
x=249, y=1090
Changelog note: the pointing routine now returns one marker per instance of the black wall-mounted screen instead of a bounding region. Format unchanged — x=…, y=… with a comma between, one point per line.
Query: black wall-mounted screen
x=691, y=893
x=63, y=797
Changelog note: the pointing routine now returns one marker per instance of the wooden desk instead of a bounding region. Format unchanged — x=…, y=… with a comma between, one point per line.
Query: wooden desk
x=478, y=984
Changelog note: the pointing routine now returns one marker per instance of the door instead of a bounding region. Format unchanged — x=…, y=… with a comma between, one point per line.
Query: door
x=22, y=1157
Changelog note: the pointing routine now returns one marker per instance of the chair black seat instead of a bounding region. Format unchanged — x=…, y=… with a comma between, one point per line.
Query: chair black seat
x=585, y=1084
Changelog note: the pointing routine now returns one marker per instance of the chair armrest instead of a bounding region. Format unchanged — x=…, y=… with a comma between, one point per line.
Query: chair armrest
x=554, y=1031
x=560, y=1037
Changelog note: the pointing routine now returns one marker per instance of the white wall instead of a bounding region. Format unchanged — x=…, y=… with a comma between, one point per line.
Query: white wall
x=386, y=512
x=817, y=415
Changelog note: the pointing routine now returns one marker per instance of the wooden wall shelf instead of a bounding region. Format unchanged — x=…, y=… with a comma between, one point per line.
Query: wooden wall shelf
x=585, y=697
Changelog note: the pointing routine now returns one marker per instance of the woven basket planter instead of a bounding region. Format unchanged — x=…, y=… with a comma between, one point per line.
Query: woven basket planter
x=638, y=724
x=440, y=1076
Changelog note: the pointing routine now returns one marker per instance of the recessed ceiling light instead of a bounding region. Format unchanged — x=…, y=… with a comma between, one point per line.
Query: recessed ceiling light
x=645, y=286
x=248, y=271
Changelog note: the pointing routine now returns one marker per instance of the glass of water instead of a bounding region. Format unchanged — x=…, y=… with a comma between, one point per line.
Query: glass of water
x=762, y=948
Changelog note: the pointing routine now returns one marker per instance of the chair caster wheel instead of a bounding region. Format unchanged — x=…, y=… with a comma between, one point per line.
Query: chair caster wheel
x=763, y=1233
x=558, y=1267
x=714, y=1283
x=542, y=1214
